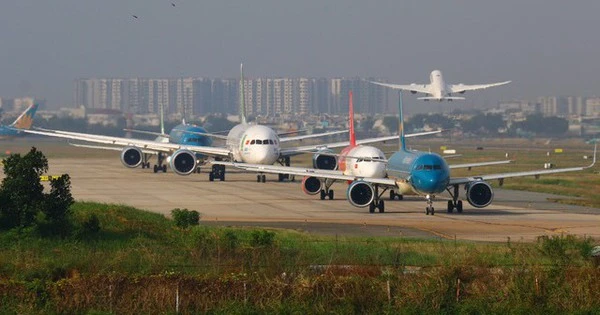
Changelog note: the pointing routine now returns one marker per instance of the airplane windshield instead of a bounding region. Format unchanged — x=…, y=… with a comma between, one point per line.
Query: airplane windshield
x=266, y=141
x=258, y=141
x=252, y=142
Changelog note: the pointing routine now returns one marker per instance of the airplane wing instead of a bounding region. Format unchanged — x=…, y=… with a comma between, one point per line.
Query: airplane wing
x=469, y=165
x=299, y=171
x=314, y=148
x=125, y=142
x=464, y=180
x=459, y=88
x=419, y=88
x=315, y=135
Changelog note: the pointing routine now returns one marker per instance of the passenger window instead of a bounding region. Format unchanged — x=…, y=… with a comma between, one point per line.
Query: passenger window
x=252, y=142
x=258, y=141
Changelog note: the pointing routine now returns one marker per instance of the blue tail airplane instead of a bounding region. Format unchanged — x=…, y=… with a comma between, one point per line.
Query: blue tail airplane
x=24, y=121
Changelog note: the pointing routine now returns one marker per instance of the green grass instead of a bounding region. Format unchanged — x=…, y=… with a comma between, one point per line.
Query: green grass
x=141, y=257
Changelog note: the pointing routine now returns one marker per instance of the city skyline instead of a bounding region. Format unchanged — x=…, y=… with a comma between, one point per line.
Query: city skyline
x=546, y=47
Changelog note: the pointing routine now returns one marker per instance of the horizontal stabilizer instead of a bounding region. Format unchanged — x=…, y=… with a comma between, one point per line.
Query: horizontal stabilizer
x=445, y=98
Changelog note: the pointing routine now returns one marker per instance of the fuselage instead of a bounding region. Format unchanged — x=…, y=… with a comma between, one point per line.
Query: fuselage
x=426, y=173
x=350, y=163
x=255, y=144
x=438, y=86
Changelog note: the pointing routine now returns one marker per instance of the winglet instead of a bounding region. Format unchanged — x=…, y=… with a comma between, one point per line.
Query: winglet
x=594, y=160
x=242, y=108
x=351, y=120
x=401, y=123
x=25, y=120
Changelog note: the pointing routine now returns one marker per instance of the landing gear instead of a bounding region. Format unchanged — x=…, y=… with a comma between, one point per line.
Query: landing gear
x=326, y=193
x=261, y=178
x=159, y=167
x=454, y=203
x=285, y=161
x=378, y=203
x=217, y=172
x=393, y=195
x=429, y=209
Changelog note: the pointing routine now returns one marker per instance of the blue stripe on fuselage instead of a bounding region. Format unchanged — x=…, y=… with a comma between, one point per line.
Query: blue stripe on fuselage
x=428, y=173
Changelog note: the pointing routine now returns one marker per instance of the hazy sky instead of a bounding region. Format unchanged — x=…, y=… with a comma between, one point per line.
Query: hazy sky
x=547, y=47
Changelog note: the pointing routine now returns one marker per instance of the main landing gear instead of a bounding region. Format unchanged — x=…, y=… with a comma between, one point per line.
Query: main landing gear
x=160, y=166
x=429, y=210
x=261, y=178
x=217, y=172
x=145, y=158
x=454, y=203
x=285, y=161
x=378, y=203
x=393, y=195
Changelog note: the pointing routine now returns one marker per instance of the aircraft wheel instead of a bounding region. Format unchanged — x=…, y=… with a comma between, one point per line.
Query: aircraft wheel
x=280, y=177
x=322, y=195
x=330, y=194
x=450, y=206
x=372, y=207
x=392, y=195
x=381, y=206
x=211, y=177
x=459, y=206
x=222, y=177
x=432, y=211
x=400, y=197
x=427, y=210
x=164, y=168
x=263, y=178
x=155, y=168
x=258, y=178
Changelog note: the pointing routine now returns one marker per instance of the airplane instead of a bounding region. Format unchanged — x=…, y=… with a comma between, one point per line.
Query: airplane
x=438, y=89
x=354, y=162
x=24, y=121
x=415, y=173
x=132, y=155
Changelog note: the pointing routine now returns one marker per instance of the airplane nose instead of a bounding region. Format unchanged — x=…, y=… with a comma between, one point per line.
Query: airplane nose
x=428, y=182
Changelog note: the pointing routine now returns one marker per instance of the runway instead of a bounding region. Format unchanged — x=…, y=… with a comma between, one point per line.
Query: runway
x=240, y=200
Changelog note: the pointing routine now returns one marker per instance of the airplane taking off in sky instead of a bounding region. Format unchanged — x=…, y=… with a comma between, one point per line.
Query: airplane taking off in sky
x=438, y=89
x=354, y=162
x=24, y=121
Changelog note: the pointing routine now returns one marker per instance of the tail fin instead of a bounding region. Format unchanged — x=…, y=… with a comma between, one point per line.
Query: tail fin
x=25, y=120
x=351, y=120
x=401, y=123
x=242, y=108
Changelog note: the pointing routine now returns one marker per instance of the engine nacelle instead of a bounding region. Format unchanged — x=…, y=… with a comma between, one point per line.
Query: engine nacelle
x=132, y=157
x=479, y=194
x=324, y=161
x=311, y=185
x=360, y=194
x=183, y=162
x=413, y=92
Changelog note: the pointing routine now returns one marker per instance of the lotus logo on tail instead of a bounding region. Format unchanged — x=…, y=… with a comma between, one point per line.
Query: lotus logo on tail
x=25, y=121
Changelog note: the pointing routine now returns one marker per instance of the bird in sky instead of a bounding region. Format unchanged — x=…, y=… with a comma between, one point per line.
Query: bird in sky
x=135, y=16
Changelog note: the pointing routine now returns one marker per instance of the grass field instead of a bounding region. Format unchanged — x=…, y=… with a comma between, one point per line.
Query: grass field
x=141, y=262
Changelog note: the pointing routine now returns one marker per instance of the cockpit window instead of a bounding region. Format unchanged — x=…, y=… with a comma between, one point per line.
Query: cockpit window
x=428, y=167
x=266, y=141
x=437, y=167
x=271, y=141
x=419, y=167
x=258, y=141
x=253, y=141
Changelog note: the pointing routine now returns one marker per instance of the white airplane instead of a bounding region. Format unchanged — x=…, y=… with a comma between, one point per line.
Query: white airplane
x=354, y=162
x=438, y=89
x=245, y=143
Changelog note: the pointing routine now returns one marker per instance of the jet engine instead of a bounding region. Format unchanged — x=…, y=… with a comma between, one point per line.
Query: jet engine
x=360, y=194
x=183, y=162
x=479, y=194
x=311, y=185
x=324, y=161
x=131, y=157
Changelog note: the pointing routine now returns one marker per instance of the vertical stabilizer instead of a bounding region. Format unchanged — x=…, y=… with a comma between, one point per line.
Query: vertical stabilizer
x=351, y=120
x=242, y=96
x=25, y=120
x=401, y=123
x=162, y=119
